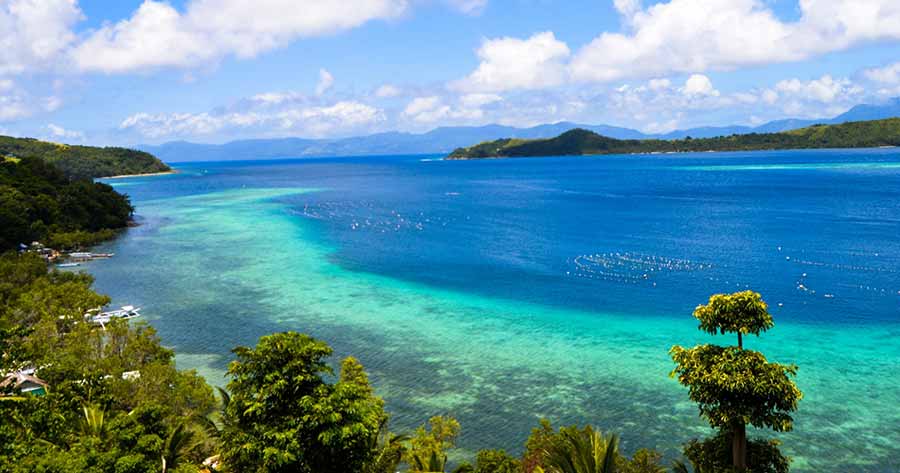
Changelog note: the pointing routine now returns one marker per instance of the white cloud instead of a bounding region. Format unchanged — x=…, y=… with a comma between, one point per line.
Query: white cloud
x=158, y=35
x=627, y=7
x=511, y=63
x=276, y=98
x=312, y=120
x=432, y=109
x=62, y=133
x=479, y=100
x=387, y=91
x=889, y=75
x=686, y=36
x=13, y=107
x=699, y=84
x=326, y=80
x=469, y=7
x=35, y=33
x=825, y=89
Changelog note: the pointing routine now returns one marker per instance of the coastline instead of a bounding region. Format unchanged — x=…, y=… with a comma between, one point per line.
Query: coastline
x=123, y=176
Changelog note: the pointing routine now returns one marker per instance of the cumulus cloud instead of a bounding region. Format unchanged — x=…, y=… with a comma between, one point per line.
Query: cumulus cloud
x=698, y=84
x=511, y=64
x=158, y=35
x=825, y=89
x=35, y=33
x=627, y=7
x=432, y=109
x=312, y=120
x=889, y=74
x=59, y=132
x=688, y=36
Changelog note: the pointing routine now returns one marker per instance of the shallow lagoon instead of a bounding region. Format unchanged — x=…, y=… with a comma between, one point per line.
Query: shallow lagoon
x=508, y=290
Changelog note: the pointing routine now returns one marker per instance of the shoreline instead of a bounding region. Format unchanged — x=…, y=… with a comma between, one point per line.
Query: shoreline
x=122, y=176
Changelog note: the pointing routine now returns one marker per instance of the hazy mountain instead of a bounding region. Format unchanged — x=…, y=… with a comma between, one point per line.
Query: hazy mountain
x=446, y=139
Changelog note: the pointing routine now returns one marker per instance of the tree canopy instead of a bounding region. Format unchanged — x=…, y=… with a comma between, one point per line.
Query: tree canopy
x=284, y=415
x=82, y=162
x=734, y=387
x=39, y=203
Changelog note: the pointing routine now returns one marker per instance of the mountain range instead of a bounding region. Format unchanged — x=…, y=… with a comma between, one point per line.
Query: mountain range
x=445, y=139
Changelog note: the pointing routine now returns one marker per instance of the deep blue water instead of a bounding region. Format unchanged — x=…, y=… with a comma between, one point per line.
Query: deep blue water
x=505, y=290
x=513, y=228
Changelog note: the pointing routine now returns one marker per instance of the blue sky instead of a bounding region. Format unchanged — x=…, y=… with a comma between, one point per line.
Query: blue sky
x=127, y=72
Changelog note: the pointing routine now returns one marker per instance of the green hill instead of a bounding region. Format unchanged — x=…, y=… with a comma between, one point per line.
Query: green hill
x=867, y=134
x=79, y=162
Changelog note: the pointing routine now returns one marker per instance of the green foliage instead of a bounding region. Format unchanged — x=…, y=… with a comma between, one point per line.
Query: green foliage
x=429, y=445
x=92, y=419
x=575, y=450
x=643, y=461
x=733, y=385
x=39, y=203
x=81, y=161
x=284, y=416
x=496, y=461
x=714, y=455
x=741, y=312
x=865, y=134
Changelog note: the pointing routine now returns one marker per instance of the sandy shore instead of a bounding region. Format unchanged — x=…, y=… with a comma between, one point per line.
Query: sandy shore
x=122, y=176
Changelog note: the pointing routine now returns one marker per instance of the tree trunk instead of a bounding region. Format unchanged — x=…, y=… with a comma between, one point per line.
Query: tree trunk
x=740, y=341
x=739, y=447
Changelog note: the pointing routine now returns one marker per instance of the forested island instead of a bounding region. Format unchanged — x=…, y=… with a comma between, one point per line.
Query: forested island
x=864, y=134
x=82, y=162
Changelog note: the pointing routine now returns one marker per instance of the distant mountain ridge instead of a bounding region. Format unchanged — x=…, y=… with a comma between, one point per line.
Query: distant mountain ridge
x=445, y=139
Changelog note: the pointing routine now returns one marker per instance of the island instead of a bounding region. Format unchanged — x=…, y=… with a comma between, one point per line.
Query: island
x=863, y=134
x=83, y=162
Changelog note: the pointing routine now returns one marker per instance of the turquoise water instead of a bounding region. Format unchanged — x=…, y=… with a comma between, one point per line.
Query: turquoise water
x=504, y=292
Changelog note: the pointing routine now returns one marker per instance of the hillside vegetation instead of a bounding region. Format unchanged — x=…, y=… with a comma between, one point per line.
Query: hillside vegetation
x=39, y=203
x=867, y=134
x=82, y=161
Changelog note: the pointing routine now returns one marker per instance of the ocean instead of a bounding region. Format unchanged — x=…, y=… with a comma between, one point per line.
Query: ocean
x=506, y=291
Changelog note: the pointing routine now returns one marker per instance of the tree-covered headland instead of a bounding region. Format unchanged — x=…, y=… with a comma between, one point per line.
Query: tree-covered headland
x=82, y=162
x=40, y=203
x=866, y=134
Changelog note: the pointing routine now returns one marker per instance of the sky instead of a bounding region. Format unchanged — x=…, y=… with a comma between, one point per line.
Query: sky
x=129, y=72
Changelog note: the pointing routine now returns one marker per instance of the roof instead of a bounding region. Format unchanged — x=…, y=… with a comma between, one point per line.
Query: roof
x=23, y=381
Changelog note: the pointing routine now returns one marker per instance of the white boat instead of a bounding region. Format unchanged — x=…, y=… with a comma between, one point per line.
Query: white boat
x=68, y=265
x=102, y=318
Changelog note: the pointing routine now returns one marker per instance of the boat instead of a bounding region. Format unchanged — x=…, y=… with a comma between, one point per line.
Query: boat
x=68, y=265
x=127, y=312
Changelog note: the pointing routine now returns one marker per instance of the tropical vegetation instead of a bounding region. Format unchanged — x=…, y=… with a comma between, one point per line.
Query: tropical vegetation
x=865, y=134
x=39, y=203
x=82, y=162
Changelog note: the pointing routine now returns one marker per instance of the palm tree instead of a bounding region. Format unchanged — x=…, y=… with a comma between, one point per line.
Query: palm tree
x=388, y=450
x=180, y=443
x=93, y=424
x=581, y=451
x=433, y=463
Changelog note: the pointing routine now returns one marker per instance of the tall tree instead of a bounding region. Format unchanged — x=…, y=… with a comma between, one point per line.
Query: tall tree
x=283, y=416
x=733, y=386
